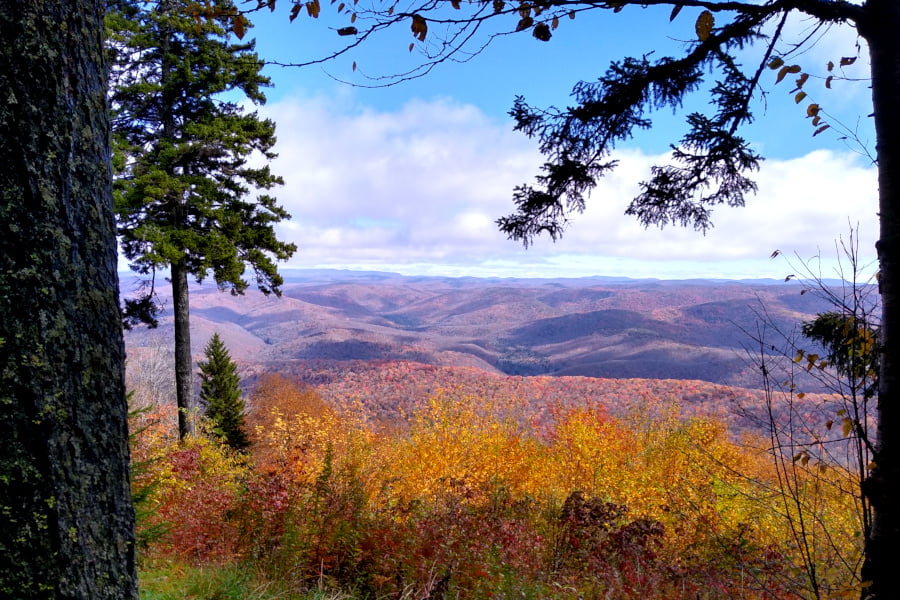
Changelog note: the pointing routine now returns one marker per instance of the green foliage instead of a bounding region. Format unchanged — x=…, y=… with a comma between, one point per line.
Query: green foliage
x=232, y=582
x=851, y=345
x=709, y=163
x=220, y=392
x=185, y=149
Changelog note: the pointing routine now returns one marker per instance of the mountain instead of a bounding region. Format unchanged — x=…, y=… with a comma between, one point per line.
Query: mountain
x=594, y=327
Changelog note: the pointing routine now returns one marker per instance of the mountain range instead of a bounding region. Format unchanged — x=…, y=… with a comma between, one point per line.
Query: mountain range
x=594, y=327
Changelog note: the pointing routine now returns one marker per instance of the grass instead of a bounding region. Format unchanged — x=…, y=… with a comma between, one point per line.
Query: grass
x=180, y=582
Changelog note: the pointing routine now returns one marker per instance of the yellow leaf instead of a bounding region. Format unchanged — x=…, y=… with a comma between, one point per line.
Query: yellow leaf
x=847, y=427
x=799, y=97
x=554, y=23
x=784, y=71
x=775, y=63
x=312, y=8
x=812, y=110
x=830, y=65
x=820, y=130
x=704, y=25
x=801, y=396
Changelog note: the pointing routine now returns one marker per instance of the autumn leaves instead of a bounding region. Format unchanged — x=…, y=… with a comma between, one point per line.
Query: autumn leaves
x=467, y=494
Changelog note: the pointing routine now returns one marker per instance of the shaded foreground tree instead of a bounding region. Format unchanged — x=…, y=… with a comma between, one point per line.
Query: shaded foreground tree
x=66, y=518
x=183, y=153
x=710, y=165
x=220, y=394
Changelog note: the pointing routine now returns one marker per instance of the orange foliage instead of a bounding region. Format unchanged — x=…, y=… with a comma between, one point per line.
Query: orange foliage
x=190, y=485
x=481, y=496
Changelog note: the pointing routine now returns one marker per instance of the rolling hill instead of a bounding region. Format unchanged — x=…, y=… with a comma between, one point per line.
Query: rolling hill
x=591, y=327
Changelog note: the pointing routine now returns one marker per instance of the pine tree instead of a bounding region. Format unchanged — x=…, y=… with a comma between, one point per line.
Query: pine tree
x=220, y=392
x=182, y=151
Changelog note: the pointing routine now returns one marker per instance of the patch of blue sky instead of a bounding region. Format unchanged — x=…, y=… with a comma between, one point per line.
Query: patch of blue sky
x=410, y=178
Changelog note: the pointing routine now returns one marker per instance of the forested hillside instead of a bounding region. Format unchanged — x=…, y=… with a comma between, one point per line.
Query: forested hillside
x=462, y=495
x=396, y=449
x=581, y=327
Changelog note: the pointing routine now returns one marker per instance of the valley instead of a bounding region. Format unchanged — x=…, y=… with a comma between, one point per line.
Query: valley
x=592, y=327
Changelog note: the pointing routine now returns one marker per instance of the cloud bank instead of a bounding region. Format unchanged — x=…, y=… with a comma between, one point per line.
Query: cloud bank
x=417, y=191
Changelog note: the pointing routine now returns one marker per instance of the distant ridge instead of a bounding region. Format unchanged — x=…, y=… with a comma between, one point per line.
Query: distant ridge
x=607, y=327
x=291, y=275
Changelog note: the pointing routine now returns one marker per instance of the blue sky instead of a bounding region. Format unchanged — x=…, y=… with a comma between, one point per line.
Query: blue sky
x=410, y=178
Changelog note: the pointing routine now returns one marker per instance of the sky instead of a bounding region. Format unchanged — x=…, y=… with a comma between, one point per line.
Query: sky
x=410, y=178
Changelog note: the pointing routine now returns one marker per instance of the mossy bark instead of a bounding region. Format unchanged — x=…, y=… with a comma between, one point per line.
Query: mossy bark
x=66, y=518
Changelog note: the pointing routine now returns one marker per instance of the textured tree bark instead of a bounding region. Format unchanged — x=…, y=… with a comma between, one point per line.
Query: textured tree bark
x=882, y=487
x=66, y=517
x=184, y=362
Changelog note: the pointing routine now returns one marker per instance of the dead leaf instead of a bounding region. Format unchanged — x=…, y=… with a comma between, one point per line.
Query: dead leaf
x=704, y=25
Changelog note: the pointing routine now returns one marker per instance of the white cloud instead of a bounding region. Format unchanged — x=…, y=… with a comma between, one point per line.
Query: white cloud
x=417, y=190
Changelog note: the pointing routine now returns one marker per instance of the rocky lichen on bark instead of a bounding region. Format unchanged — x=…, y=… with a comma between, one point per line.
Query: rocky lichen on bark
x=66, y=518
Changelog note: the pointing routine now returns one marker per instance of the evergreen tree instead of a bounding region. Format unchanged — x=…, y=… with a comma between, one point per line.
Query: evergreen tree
x=220, y=392
x=182, y=151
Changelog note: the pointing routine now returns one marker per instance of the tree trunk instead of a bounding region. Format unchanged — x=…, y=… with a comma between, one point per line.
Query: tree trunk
x=882, y=487
x=184, y=362
x=66, y=517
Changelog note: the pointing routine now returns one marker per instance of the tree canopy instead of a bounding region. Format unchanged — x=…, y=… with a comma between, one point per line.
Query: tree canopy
x=186, y=150
x=189, y=159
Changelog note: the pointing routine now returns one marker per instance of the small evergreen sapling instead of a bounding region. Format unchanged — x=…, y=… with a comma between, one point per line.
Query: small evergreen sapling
x=220, y=393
